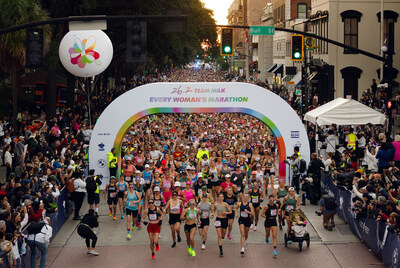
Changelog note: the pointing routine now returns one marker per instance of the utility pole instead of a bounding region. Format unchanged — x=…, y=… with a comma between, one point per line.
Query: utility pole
x=304, y=88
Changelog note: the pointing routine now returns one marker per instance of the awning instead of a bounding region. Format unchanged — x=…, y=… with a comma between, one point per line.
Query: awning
x=295, y=80
x=278, y=69
x=287, y=78
x=271, y=68
x=311, y=77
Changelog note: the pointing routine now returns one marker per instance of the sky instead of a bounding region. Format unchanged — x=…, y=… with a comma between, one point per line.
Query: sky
x=220, y=8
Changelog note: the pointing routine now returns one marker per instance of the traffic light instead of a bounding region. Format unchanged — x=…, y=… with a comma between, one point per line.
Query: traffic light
x=227, y=42
x=34, y=47
x=136, y=41
x=296, y=48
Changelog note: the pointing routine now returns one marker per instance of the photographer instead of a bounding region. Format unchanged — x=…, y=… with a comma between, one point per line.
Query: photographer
x=93, y=190
x=294, y=163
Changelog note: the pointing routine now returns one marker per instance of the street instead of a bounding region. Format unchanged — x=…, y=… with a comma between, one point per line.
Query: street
x=339, y=248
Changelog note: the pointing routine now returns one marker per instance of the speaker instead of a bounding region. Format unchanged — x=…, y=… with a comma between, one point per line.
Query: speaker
x=34, y=48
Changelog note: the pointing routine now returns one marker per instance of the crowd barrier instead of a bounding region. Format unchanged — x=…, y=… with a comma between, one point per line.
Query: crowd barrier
x=386, y=245
x=57, y=219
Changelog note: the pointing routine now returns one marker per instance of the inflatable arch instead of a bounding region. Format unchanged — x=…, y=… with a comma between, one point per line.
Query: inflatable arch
x=116, y=119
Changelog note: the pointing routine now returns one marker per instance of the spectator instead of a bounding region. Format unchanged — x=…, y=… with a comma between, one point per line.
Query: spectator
x=40, y=241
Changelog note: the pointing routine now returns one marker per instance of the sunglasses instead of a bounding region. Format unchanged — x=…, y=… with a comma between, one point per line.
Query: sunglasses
x=191, y=204
x=151, y=203
x=131, y=187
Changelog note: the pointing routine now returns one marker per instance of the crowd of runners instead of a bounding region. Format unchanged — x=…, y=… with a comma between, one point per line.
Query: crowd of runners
x=200, y=169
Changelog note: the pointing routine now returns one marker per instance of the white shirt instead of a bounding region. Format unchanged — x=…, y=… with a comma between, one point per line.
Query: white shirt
x=80, y=185
x=44, y=235
x=8, y=158
x=331, y=142
x=156, y=155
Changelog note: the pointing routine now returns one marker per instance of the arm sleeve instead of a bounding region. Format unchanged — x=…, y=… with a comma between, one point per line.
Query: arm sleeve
x=24, y=222
x=49, y=234
x=357, y=193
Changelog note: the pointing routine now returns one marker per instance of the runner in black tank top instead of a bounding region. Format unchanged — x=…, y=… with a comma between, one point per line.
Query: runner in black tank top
x=246, y=210
x=270, y=212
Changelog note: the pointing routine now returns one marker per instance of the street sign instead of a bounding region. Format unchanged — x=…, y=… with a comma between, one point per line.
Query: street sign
x=262, y=30
x=298, y=92
x=310, y=43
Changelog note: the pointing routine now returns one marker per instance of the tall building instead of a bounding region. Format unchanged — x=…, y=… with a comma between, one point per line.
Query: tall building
x=265, y=45
x=237, y=16
x=287, y=14
x=357, y=24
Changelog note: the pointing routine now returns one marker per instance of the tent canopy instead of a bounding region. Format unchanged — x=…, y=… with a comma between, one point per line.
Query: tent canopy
x=342, y=111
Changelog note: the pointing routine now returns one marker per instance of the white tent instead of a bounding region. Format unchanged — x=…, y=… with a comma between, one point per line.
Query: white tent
x=342, y=111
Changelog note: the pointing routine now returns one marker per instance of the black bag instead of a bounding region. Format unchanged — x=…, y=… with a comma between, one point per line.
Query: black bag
x=91, y=184
x=303, y=166
x=330, y=203
x=35, y=227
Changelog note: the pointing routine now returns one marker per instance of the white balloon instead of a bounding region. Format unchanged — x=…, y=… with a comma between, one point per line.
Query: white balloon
x=86, y=53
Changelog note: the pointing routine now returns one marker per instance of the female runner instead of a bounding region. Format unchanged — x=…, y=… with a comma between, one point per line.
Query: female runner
x=112, y=199
x=153, y=228
x=122, y=188
x=132, y=200
x=204, y=215
x=246, y=210
x=174, y=205
x=221, y=222
x=190, y=216
x=270, y=212
x=279, y=194
x=292, y=202
x=256, y=198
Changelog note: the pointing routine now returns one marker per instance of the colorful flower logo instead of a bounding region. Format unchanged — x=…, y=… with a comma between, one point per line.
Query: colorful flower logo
x=83, y=52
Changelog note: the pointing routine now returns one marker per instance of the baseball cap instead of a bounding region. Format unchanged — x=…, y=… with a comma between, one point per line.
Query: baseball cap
x=177, y=184
x=237, y=166
x=227, y=176
x=137, y=171
x=253, y=172
x=156, y=189
x=223, y=161
x=200, y=175
x=146, y=166
x=204, y=187
x=291, y=189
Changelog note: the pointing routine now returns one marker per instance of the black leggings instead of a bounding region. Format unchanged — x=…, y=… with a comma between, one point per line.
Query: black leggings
x=78, y=198
x=85, y=232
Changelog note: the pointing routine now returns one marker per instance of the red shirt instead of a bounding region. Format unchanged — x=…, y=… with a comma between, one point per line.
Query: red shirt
x=225, y=185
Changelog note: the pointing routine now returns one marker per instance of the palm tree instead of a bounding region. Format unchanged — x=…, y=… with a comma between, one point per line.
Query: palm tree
x=12, y=45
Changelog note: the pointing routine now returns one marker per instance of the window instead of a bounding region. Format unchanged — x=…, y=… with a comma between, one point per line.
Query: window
x=302, y=11
x=350, y=19
x=350, y=77
x=389, y=16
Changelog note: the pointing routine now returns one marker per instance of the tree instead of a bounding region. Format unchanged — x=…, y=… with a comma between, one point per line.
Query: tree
x=12, y=45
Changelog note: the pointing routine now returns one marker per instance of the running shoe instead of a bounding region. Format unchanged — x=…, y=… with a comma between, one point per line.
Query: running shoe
x=190, y=250
x=139, y=226
x=110, y=214
x=114, y=218
x=173, y=245
x=275, y=253
x=153, y=256
x=193, y=253
x=203, y=246
x=266, y=240
x=157, y=247
x=221, y=253
x=229, y=236
x=255, y=228
x=252, y=227
x=122, y=216
x=133, y=228
x=290, y=242
x=94, y=252
x=283, y=222
x=128, y=236
x=242, y=252
x=159, y=236
x=179, y=239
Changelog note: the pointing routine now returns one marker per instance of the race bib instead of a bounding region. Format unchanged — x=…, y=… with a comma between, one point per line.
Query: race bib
x=132, y=203
x=289, y=207
x=272, y=170
x=192, y=216
x=112, y=195
x=122, y=188
x=254, y=200
x=217, y=223
x=200, y=192
x=238, y=188
x=204, y=214
x=153, y=217
x=244, y=214
x=280, y=199
x=273, y=212
x=157, y=203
